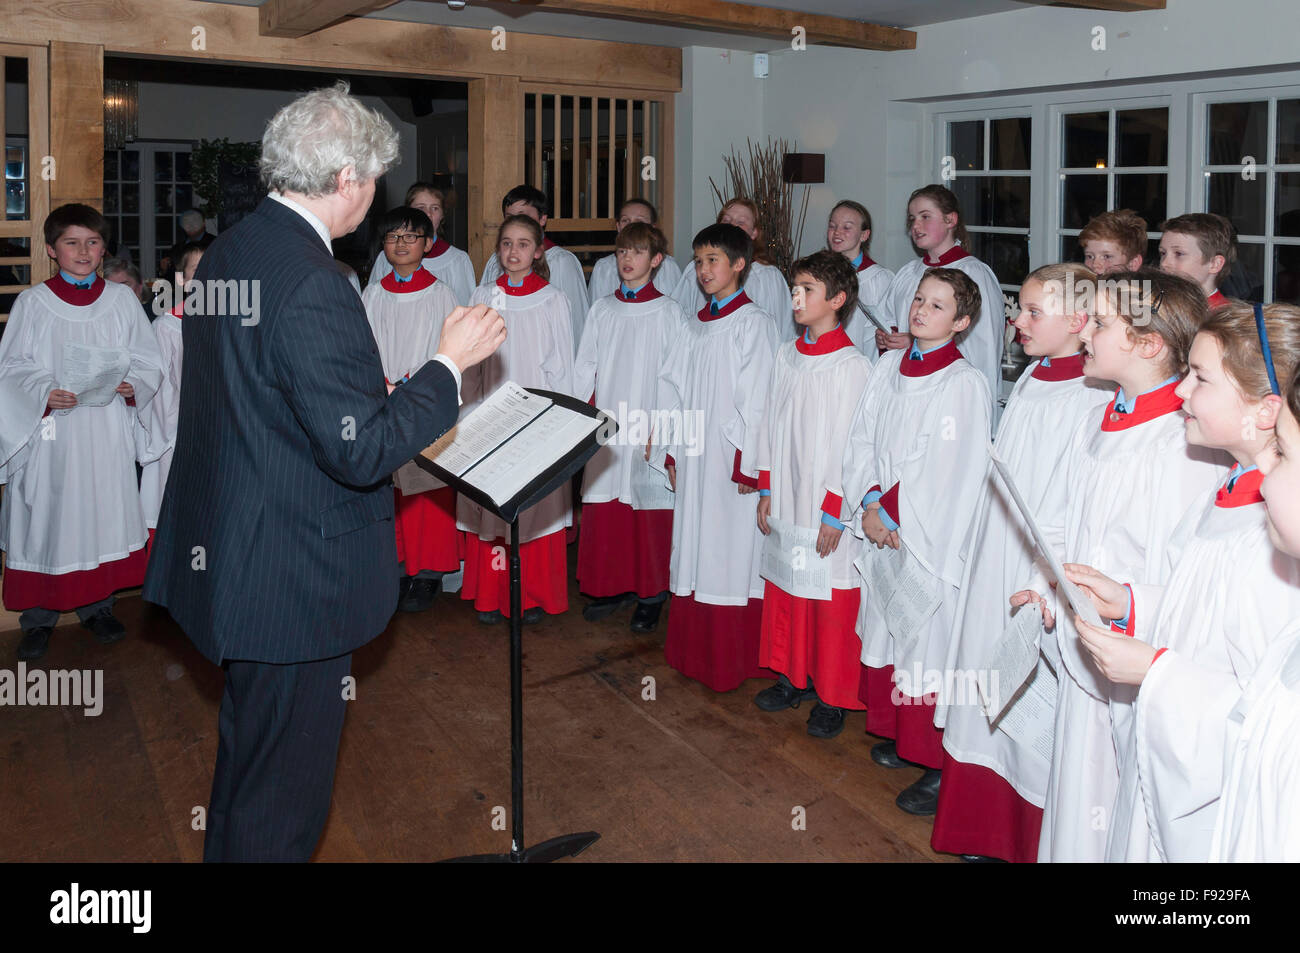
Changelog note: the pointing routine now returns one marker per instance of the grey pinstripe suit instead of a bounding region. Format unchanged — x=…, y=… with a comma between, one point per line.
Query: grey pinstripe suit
x=275, y=542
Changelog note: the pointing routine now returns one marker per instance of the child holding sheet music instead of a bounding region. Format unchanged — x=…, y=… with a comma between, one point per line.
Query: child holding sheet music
x=915, y=458
x=538, y=352
x=1227, y=598
x=991, y=799
x=1132, y=477
x=848, y=232
x=814, y=389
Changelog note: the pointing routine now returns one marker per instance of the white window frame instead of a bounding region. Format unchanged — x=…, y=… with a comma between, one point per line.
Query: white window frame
x=1199, y=184
x=148, y=233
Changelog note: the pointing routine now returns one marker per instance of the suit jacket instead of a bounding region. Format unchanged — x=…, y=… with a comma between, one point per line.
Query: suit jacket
x=275, y=541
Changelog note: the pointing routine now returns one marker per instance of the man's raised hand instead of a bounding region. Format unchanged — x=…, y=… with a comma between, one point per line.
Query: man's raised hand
x=469, y=335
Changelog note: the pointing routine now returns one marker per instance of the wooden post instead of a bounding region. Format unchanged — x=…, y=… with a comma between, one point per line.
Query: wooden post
x=496, y=157
x=77, y=123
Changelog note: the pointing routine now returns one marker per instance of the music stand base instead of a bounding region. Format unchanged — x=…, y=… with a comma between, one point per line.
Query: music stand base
x=557, y=848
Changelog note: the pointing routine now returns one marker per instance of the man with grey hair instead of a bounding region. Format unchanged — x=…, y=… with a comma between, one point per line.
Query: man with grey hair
x=194, y=231
x=275, y=548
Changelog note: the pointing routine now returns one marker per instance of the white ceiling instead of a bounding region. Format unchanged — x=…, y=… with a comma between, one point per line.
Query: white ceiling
x=519, y=17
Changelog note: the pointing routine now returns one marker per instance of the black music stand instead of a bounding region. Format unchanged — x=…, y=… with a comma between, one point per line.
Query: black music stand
x=554, y=476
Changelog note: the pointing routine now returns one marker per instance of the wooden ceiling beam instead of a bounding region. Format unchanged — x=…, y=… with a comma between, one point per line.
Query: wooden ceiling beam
x=295, y=18
x=1114, y=6
x=728, y=17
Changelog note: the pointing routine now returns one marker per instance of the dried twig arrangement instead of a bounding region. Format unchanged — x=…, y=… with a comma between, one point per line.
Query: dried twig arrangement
x=758, y=178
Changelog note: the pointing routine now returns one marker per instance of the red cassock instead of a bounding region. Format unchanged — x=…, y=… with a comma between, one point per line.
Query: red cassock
x=624, y=550
x=716, y=645
x=427, y=537
x=543, y=567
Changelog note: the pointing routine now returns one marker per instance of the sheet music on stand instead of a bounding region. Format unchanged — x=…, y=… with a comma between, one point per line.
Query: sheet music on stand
x=1077, y=599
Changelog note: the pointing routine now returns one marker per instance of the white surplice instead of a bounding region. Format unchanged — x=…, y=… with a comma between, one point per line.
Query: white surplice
x=566, y=277
x=624, y=345
x=718, y=372
x=983, y=341
x=537, y=352
x=71, y=502
x=765, y=287
x=604, y=278
x=1257, y=815
x=156, y=426
x=810, y=405
x=1128, y=490
x=1230, y=595
x=1033, y=440
x=451, y=266
x=929, y=435
x=873, y=289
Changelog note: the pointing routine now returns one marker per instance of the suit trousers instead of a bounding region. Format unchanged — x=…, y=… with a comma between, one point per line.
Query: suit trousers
x=279, y=731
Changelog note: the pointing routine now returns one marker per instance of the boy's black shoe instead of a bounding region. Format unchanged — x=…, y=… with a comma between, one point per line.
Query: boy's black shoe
x=606, y=606
x=825, y=721
x=35, y=642
x=885, y=754
x=922, y=797
x=646, y=616
x=420, y=595
x=490, y=618
x=783, y=695
x=403, y=587
x=106, y=628
x=534, y=615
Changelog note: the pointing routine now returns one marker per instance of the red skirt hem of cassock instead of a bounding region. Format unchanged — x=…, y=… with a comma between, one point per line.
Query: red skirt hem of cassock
x=427, y=537
x=622, y=549
x=981, y=813
x=808, y=637
x=716, y=645
x=910, y=726
x=543, y=567
x=72, y=590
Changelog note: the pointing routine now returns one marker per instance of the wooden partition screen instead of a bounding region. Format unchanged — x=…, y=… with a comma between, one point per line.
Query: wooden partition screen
x=27, y=169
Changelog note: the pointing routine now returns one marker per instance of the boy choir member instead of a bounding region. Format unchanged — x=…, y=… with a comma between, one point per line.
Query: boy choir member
x=449, y=264
x=1114, y=241
x=605, y=277
x=1201, y=247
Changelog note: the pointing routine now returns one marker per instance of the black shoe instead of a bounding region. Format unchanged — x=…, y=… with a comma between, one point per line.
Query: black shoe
x=783, y=695
x=106, y=628
x=534, y=615
x=981, y=859
x=35, y=642
x=490, y=618
x=420, y=595
x=606, y=606
x=646, y=616
x=885, y=754
x=403, y=587
x=825, y=721
x=921, y=798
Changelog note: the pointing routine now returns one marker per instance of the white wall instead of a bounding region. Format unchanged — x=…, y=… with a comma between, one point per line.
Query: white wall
x=861, y=107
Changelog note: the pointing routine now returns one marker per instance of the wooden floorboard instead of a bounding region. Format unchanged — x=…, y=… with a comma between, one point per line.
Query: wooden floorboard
x=690, y=775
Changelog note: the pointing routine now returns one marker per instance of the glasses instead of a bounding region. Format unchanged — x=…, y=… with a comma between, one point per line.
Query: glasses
x=393, y=238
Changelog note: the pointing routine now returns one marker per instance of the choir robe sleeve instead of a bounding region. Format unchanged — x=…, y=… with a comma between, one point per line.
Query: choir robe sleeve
x=756, y=342
x=859, y=466
x=670, y=401
x=557, y=351
x=584, y=365
x=566, y=276
x=604, y=280
x=145, y=374
x=687, y=293
x=982, y=343
x=157, y=423
x=767, y=289
x=460, y=275
x=25, y=385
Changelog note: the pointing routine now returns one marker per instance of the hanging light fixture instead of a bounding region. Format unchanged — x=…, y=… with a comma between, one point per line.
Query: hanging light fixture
x=121, y=112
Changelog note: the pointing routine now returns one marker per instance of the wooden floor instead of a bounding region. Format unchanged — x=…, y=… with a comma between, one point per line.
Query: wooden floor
x=691, y=775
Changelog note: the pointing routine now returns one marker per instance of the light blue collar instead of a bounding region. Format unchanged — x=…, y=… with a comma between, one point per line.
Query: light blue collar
x=807, y=334
x=629, y=291
x=77, y=282
x=916, y=353
x=1125, y=405
x=728, y=299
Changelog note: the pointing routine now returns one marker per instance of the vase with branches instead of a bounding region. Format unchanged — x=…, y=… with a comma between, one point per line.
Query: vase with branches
x=757, y=177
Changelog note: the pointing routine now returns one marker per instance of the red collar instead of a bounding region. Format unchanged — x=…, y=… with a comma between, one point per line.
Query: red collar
x=647, y=292
x=866, y=262
x=955, y=253
x=828, y=343
x=1061, y=369
x=1151, y=405
x=740, y=299
x=931, y=362
x=1216, y=300
x=1243, y=493
x=421, y=279
x=439, y=246
x=532, y=282
x=74, y=295
x=178, y=310
x=547, y=244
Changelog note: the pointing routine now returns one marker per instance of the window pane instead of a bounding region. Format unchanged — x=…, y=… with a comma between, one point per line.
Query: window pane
x=1007, y=255
x=1070, y=248
x=1286, y=273
x=182, y=167
x=184, y=198
x=1246, y=280
x=162, y=199
x=1142, y=137
x=162, y=166
x=130, y=166
x=110, y=165
x=130, y=199
x=1152, y=259
x=1237, y=130
x=1082, y=197
x=163, y=234
x=1240, y=200
x=15, y=199
x=1009, y=143
x=130, y=232
x=994, y=200
x=1286, y=205
x=110, y=199
x=1144, y=194
x=966, y=143
x=1084, y=142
